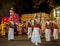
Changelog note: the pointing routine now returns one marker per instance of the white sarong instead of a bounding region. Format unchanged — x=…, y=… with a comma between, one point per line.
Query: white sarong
x=55, y=33
x=36, y=36
x=11, y=34
x=47, y=34
x=29, y=32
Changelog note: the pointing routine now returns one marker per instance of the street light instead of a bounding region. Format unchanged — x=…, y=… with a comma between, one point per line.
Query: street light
x=58, y=12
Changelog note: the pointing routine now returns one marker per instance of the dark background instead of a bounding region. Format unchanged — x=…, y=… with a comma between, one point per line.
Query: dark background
x=27, y=6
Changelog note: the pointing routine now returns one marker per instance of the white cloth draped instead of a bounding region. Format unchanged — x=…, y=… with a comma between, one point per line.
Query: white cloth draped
x=29, y=32
x=55, y=33
x=36, y=36
x=11, y=32
x=47, y=34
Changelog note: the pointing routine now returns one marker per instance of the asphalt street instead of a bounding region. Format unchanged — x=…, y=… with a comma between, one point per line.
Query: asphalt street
x=24, y=41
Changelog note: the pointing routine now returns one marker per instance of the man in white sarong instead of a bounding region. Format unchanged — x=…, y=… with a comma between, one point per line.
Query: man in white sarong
x=11, y=31
x=29, y=30
x=55, y=32
x=48, y=31
x=36, y=33
x=15, y=19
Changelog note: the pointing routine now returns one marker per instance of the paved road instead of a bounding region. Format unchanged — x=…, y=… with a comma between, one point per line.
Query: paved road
x=23, y=41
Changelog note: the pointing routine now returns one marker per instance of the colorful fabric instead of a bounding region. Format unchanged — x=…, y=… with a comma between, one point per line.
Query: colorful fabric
x=56, y=27
x=5, y=19
x=3, y=30
x=15, y=18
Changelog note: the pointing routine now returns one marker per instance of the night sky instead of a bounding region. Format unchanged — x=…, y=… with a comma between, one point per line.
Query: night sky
x=27, y=6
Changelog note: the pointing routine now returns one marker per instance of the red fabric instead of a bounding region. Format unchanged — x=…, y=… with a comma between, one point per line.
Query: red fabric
x=5, y=19
x=51, y=32
x=48, y=26
x=15, y=18
x=55, y=27
x=37, y=26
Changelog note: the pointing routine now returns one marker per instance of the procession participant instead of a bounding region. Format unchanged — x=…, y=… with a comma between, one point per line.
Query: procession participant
x=48, y=30
x=11, y=30
x=55, y=32
x=15, y=18
x=29, y=30
x=36, y=33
